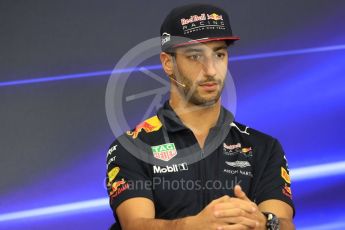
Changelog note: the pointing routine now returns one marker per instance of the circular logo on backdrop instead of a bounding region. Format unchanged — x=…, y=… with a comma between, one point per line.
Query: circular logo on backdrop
x=136, y=89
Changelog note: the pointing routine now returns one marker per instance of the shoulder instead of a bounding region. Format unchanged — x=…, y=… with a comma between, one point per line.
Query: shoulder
x=137, y=139
x=149, y=126
x=264, y=144
x=264, y=147
x=251, y=134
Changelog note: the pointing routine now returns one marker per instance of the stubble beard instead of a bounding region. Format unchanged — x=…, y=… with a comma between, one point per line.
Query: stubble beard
x=192, y=95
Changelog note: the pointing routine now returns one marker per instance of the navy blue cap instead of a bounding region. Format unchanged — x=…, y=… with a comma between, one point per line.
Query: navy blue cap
x=195, y=23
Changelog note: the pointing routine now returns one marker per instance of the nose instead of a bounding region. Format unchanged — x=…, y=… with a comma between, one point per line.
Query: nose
x=210, y=67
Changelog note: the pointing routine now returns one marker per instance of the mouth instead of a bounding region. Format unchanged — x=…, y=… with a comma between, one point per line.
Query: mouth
x=209, y=86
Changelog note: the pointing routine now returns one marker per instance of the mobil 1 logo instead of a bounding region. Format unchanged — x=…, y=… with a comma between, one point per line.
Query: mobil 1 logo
x=170, y=168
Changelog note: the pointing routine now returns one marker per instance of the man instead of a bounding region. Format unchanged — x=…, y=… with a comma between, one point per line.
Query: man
x=194, y=142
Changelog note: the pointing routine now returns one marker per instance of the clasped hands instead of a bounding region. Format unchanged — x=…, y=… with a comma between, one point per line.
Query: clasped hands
x=231, y=213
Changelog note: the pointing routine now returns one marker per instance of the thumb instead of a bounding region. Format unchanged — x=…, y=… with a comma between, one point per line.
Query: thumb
x=240, y=194
x=222, y=199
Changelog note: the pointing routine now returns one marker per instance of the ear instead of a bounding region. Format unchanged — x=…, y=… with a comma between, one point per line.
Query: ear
x=167, y=63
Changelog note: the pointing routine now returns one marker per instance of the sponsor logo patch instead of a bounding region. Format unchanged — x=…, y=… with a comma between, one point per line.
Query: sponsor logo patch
x=193, y=18
x=118, y=187
x=164, y=152
x=201, y=17
x=286, y=162
x=170, y=168
x=150, y=125
x=232, y=147
x=246, y=150
x=238, y=164
x=287, y=191
x=202, y=22
x=238, y=171
x=165, y=38
x=112, y=149
x=214, y=16
x=111, y=160
x=285, y=175
x=235, y=149
x=113, y=173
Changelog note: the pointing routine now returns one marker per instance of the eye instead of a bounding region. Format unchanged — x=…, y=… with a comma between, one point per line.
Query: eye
x=195, y=57
x=220, y=55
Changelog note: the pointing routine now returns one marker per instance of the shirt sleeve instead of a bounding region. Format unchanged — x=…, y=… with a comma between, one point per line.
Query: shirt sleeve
x=275, y=182
x=127, y=177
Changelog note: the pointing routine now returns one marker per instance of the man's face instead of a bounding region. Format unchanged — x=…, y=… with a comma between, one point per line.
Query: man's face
x=202, y=69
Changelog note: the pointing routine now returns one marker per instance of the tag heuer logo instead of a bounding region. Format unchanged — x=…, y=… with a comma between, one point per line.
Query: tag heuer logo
x=164, y=152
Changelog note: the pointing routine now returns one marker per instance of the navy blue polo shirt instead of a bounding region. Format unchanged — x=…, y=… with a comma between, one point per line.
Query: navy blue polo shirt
x=161, y=160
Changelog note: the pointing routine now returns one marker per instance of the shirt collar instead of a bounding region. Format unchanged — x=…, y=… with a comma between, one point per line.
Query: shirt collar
x=172, y=122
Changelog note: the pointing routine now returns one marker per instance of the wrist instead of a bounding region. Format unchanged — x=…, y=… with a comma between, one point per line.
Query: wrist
x=186, y=223
x=263, y=222
x=272, y=221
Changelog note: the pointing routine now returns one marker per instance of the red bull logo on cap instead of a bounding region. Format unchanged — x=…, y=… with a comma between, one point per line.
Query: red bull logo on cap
x=214, y=16
x=150, y=125
x=201, y=17
x=193, y=18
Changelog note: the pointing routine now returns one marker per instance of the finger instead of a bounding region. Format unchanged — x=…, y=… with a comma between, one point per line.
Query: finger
x=232, y=227
x=221, y=199
x=234, y=203
x=235, y=212
x=245, y=222
x=240, y=194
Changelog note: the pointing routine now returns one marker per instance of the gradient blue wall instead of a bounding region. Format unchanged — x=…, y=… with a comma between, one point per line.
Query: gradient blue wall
x=288, y=70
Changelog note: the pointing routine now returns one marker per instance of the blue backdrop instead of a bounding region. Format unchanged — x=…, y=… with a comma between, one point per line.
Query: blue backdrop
x=56, y=60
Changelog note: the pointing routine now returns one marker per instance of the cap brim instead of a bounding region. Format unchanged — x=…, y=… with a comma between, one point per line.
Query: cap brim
x=191, y=42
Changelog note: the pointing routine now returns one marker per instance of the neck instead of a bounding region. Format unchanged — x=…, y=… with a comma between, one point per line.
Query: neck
x=197, y=118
